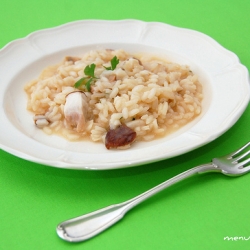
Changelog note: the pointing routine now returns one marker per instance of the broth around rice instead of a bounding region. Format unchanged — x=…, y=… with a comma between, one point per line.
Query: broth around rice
x=151, y=96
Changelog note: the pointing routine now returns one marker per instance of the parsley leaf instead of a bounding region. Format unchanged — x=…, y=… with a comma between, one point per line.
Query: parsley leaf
x=80, y=82
x=88, y=83
x=107, y=68
x=90, y=70
x=114, y=61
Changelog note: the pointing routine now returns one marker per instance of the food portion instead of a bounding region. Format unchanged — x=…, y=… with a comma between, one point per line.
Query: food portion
x=113, y=97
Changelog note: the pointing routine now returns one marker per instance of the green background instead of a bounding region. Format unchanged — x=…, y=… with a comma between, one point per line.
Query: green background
x=194, y=214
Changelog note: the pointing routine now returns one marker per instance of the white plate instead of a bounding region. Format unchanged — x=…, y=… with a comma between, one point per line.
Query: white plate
x=225, y=80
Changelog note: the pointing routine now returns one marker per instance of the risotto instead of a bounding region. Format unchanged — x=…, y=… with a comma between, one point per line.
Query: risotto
x=105, y=90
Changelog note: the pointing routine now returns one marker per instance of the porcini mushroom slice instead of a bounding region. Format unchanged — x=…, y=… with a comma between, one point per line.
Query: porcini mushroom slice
x=75, y=110
x=119, y=137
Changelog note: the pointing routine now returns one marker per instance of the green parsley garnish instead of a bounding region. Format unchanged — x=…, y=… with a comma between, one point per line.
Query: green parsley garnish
x=88, y=84
x=114, y=61
x=89, y=71
x=80, y=82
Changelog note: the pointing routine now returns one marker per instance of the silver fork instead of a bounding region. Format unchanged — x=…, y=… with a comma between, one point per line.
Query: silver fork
x=86, y=226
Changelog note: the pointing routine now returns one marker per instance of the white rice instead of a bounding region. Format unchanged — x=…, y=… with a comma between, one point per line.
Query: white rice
x=151, y=96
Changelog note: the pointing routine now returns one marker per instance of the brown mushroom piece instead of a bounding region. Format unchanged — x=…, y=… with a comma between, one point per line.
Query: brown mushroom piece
x=75, y=110
x=138, y=60
x=119, y=137
x=111, y=78
x=72, y=58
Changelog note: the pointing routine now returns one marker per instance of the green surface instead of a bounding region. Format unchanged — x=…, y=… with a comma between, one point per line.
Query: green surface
x=195, y=214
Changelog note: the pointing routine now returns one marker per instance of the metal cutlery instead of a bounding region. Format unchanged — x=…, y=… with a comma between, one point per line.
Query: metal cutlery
x=86, y=226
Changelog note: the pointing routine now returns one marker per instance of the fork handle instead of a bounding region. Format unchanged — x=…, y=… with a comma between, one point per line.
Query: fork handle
x=86, y=226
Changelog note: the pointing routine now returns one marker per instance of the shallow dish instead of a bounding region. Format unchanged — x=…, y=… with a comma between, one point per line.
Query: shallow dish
x=225, y=82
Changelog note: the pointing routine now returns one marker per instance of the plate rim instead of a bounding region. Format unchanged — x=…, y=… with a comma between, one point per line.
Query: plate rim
x=107, y=166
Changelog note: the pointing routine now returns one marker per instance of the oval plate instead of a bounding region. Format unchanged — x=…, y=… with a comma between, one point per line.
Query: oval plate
x=225, y=82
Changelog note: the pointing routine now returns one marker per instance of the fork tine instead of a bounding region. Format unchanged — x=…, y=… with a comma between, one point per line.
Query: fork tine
x=239, y=150
x=245, y=170
x=242, y=156
x=243, y=163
